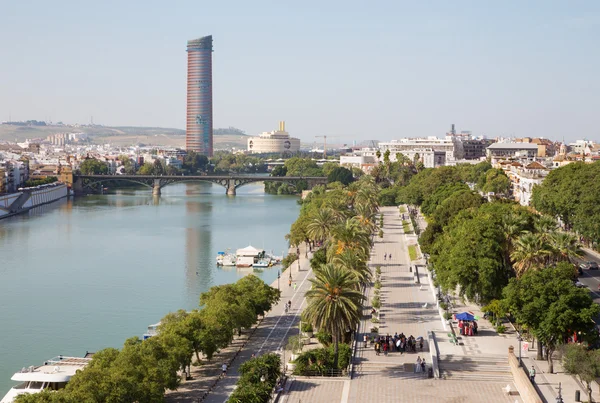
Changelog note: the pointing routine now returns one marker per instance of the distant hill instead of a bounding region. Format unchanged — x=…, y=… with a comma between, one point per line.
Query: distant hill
x=122, y=135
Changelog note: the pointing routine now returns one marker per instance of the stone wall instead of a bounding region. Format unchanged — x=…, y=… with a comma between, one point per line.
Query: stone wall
x=521, y=378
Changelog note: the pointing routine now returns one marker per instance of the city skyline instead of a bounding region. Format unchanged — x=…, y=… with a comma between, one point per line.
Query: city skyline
x=382, y=71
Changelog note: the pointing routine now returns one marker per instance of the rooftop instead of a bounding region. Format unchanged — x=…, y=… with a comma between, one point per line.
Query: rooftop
x=513, y=146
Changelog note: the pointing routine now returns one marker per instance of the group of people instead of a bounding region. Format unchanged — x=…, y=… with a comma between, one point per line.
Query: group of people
x=467, y=328
x=397, y=342
x=385, y=256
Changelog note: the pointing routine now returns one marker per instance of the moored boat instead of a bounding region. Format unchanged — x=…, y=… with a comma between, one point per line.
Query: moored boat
x=54, y=374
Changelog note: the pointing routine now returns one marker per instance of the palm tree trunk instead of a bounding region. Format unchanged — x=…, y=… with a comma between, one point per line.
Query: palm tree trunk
x=550, y=362
x=540, y=346
x=335, y=353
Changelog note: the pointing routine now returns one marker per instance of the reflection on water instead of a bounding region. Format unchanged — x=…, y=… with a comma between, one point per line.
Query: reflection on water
x=87, y=273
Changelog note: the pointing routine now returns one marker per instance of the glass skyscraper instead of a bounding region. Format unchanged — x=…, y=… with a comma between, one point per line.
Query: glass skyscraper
x=199, y=125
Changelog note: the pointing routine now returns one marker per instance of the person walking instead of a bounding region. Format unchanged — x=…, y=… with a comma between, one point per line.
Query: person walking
x=365, y=338
x=423, y=365
x=390, y=256
x=532, y=374
x=295, y=285
x=384, y=256
x=290, y=282
x=223, y=369
x=418, y=365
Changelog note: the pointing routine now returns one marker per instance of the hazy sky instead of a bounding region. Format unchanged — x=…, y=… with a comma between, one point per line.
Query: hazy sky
x=341, y=68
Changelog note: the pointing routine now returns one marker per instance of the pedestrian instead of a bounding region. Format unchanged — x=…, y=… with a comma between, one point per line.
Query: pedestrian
x=421, y=344
x=295, y=285
x=423, y=365
x=390, y=256
x=290, y=303
x=384, y=256
x=385, y=348
x=224, y=369
x=365, y=340
x=418, y=365
x=377, y=348
x=532, y=374
x=290, y=282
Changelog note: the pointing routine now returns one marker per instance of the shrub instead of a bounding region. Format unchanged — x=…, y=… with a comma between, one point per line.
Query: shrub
x=374, y=329
x=501, y=329
x=374, y=320
x=378, y=270
x=306, y=327
x=250, y=387
x=377, y=284
x=324, y=338
x=321, y=359
x=444, y=306
x=376, y=302
x=447, y=315
x=319, y=258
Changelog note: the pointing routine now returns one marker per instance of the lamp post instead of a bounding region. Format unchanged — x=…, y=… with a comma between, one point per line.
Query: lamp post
x=278, y=276
x=559, y=398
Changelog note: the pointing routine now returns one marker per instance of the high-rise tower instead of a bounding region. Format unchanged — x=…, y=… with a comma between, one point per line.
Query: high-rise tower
x=199, y=125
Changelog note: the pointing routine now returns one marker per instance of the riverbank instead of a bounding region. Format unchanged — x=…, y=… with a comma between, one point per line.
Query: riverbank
x=268, y=336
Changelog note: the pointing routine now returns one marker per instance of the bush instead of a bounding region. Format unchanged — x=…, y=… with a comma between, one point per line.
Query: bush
x=444, y=306
x=250, y=387
x=374, y=329
x=447, y=315
x=501, y=329
x=306, y=327
x=374, y=320
x=378, y=270
x=321, y=359
x=324, y=338
x=319, y=258
x=381, y=233
x=376, y=303
x=377, y=285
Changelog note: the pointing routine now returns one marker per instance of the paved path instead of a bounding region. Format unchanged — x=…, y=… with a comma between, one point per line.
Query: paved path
x=409, y=308
x=270, y=335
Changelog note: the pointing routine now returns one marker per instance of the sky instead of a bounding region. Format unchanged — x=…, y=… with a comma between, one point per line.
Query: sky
x=352, y=69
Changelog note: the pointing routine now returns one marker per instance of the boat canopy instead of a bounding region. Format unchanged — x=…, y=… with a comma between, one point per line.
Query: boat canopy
x=220, y=253
x=249, y=251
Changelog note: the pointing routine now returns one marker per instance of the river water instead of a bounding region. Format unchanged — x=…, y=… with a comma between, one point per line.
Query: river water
x=80, y=275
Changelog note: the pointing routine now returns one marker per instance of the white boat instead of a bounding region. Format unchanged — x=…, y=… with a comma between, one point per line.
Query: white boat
x=225, y=259
x=152, y=331
x=265, y=262
x=54, y=374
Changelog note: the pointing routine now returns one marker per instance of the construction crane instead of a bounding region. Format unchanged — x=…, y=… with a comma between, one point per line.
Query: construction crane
x=325, y=144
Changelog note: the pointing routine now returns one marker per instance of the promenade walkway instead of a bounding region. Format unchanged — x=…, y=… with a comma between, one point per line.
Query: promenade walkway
x=268, y=337
x=408, y=307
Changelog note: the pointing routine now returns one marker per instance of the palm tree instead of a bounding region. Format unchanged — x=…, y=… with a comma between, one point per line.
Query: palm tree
x=349, y=235
x=365, y=216
x=513, y=226
x=565, y=247
x=334, y=303
x=351, y=262
x=545, y=225
x=321, y=223
x=530, y=252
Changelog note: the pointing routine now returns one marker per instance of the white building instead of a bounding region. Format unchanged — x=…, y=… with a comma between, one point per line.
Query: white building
x=524, y=179
x=274, y=142
x=432, y=151
x=500, y=151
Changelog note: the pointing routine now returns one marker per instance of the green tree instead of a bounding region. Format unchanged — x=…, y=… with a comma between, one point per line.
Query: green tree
x=530, y=252
x=495, y=180
x=340, y=174
x=583, y=363
x=334, y=303
x=92, y=166
x=146, y=169
x=547, y=302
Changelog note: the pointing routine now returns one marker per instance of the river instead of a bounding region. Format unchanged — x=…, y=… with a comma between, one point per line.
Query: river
x=80, y=275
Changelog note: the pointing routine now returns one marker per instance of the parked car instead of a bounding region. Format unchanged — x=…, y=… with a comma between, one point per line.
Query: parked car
x=589, y=265
x=578, y=284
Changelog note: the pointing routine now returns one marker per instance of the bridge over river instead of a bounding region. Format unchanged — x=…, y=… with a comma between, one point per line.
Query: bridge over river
x=156, y=183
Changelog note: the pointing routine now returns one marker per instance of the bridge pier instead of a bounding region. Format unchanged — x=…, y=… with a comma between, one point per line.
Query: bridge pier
x=77, y=186
x=156, y=188
x=231, y=187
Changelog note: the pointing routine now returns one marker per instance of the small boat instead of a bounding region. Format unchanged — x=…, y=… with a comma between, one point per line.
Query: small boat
x=54, y=374
x=226, y=259
x=152, y=331
x=261, y=263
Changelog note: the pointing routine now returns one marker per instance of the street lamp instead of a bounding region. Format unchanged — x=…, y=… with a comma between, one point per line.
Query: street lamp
x=278, y=276
x=559, y=398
